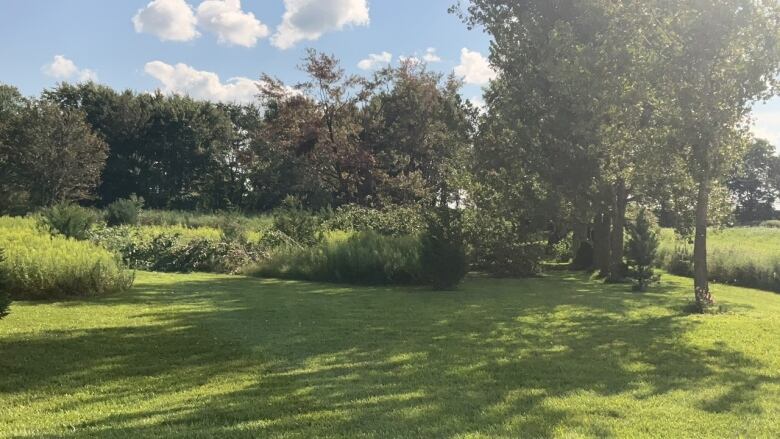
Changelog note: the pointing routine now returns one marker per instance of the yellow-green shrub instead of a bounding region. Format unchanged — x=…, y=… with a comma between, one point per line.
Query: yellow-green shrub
x=38, y=266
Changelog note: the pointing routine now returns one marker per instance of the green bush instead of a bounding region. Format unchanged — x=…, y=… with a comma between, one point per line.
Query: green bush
x=770, y=224
x=504, y=247
x=124, y=212
x=167, y=249
x=443, y=255
x=38, y=265
x=362, y=258
x=69, y=220
x=300, y=224
x=394, y=221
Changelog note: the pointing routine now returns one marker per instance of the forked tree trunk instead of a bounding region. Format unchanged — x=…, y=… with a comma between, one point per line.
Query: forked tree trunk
x=704, y=298
x=601, y=247
x=616, y=266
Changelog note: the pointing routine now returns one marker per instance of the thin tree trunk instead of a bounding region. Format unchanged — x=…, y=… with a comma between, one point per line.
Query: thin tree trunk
x=601, y=238
x=620, y=201
x=704, y=298
x=579, y=235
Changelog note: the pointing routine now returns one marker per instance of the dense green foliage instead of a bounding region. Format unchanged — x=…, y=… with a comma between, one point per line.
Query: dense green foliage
x=47, y=155
x=69, y=220
x=562, y=356
x=361, y=258
x=642, y=249
x=179, y=249
x=124, y=211
x=742, y=256
x=755, y=184
x=443, y=253
x=40, y=266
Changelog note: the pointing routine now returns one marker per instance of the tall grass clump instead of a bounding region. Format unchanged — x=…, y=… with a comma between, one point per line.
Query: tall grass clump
x=361, y=258
x=39, y=266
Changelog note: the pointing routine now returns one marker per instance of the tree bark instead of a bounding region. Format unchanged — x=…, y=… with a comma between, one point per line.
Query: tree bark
x=704, y=298
x=601, y=245
x=619, y=203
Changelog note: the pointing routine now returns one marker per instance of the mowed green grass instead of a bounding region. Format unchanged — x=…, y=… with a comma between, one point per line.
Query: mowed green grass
x=190, y=356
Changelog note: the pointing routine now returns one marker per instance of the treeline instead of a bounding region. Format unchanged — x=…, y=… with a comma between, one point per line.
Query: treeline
x=598, y=109
x=394, y=138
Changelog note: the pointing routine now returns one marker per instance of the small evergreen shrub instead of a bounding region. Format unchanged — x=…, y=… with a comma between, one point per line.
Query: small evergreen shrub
x=641, y=250
x=124, y=212
x=443, y=255
x=298, y=223
x=69, y=220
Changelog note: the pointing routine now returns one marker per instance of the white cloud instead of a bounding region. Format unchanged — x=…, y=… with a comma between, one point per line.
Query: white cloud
x=199, y=84
x=479, y=102
x=231, y=25
x=474, y=68
x=431, y=56
x=375, y=61
x=64, y=69
x=767, y=125
x=409, y=59
x=169, y=20
x=310, y=19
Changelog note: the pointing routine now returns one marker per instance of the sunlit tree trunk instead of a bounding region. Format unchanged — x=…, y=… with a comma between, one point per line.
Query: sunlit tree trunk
x=704, y=298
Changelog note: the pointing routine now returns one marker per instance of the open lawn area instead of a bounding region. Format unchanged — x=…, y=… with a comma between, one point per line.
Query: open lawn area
x=217, y=356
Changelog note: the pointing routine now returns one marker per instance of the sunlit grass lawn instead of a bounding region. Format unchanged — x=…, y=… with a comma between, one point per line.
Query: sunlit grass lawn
x=212, y=356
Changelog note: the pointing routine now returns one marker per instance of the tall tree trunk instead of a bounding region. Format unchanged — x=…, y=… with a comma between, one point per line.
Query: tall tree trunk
x=601, y=238
x=704, y=298
x=619, y=203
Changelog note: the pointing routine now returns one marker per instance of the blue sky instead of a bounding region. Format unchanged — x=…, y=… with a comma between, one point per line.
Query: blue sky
x=215, y=49
x=101, y=39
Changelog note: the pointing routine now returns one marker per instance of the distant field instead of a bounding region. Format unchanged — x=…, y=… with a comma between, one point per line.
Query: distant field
x=748, y=256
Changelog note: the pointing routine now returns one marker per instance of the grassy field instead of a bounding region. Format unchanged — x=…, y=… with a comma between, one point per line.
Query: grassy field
x=213, y=356
x=746, y=256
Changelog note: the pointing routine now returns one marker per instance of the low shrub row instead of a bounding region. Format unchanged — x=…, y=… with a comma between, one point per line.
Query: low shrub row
x=362, y=258
x=179, y=249
x=38, y=265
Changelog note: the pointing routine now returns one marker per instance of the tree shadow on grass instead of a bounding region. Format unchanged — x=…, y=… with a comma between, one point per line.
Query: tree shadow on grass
x=237, y=357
